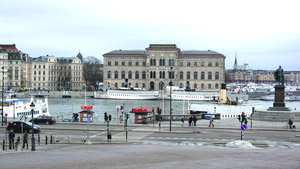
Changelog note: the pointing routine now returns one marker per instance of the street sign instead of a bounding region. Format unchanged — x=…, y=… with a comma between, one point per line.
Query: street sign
x=243, y=127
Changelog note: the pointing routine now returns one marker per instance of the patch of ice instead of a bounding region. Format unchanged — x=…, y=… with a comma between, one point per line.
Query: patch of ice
x=240, y=144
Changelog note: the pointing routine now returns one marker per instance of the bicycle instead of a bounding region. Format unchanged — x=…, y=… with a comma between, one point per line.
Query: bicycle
x=287, y=126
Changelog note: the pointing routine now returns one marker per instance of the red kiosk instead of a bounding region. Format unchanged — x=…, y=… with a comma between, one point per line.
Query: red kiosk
x=141, y=115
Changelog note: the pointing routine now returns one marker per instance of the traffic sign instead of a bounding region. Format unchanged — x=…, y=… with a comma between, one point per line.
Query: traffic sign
x=243, y=127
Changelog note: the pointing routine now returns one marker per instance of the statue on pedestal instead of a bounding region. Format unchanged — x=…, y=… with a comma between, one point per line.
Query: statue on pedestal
x=279, y=76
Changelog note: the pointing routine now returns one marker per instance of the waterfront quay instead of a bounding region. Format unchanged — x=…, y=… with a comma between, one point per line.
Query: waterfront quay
x=148, y=147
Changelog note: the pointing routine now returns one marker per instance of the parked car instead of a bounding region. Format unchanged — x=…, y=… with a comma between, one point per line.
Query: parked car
x=16, y=126
x=44, y=119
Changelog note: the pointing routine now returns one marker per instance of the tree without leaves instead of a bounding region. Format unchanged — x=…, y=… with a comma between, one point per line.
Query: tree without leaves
x=92, y=73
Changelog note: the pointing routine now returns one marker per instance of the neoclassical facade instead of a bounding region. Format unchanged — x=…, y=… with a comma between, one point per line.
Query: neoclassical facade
x=56, y=73
x=159, y=63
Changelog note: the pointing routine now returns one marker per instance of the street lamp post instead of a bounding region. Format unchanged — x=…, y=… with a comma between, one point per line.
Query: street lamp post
x=171, y=100
x=2, y=113
x=32, y=129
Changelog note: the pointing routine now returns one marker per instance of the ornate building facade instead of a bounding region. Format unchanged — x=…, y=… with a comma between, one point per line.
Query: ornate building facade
x=56, y=73
x=153, y=68
x=13, y=64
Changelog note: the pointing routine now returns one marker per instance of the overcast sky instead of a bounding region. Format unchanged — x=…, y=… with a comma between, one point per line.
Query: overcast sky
x=264, y=34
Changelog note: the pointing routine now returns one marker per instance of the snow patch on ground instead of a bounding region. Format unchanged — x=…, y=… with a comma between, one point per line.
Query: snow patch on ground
x=240, y=144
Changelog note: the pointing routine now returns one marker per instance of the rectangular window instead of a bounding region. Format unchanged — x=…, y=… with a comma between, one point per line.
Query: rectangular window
x=116, y=63
x=217, y=64
x=109, y=63
x=129, y=63
x=181, y=64
x=195, y=64
x=188, y=63
x=209, y=64
x=202, y=63
x=136, y=63
x=123, y=63
x=144, y=63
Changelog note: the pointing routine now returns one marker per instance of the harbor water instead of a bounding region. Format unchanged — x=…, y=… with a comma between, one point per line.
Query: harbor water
x=64, y=108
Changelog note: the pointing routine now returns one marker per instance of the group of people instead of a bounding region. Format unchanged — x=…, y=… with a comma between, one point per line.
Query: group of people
x=192, y=120
x=11, y=137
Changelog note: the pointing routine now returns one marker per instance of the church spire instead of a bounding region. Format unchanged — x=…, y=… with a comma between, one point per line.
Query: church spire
x=235, y=66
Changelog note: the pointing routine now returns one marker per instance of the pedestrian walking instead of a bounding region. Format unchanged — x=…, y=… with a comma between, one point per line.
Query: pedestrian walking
x=182, y=120
x=211, y=122
x=190, y=120
x=25, y=139
x=11, y=137
x=195, y=120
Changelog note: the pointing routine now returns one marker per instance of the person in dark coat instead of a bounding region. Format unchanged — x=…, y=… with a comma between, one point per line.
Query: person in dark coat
x=195, y=120
x=11, y=137
x=290, y=123
x=25, y=139
x=190, y=120
x=182, y=120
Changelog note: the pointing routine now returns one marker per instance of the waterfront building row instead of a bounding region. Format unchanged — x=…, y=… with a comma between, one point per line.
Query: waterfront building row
x=18, y=70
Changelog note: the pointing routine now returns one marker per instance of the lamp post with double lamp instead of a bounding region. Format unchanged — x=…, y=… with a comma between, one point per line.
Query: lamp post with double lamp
x=171, y=84
x=32, y=129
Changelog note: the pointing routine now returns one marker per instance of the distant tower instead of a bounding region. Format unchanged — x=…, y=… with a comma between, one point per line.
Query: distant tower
x=235, y=66
x=79, y=55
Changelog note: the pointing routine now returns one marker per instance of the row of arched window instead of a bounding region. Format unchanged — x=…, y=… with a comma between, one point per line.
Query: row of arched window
x=202, y=85
x=202, y=75
x=162, y=62
x=162, y=75
x=130, y=74
x=209, y=86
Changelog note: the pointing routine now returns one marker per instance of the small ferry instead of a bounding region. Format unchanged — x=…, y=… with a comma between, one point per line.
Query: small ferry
x=128, y=94
x=15, y=108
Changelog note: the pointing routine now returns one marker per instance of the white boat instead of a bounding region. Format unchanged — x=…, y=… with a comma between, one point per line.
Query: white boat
x=193, y=95
x=15, y=108
x=128, y=95
x=225, y=110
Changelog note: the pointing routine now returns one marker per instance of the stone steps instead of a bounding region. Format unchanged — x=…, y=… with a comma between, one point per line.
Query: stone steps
x=276, y=116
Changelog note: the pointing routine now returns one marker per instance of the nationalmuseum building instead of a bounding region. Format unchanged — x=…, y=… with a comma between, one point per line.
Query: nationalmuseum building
x=199, y=70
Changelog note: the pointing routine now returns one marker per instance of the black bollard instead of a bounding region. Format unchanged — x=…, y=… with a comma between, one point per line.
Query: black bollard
x=51, y=139
x=3, y=145
x=39, y=139
x=46, y=140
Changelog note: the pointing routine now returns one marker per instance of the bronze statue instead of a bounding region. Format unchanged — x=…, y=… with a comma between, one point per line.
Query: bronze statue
x=279, y=76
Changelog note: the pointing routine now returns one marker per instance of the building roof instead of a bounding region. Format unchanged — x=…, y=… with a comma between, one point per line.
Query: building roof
x=143, y=52
x=8, y=48
x=126, y=52
x=199, y=52
x=40, y=59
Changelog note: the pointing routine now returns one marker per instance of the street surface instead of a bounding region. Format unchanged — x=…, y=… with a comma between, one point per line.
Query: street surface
x=147, y=147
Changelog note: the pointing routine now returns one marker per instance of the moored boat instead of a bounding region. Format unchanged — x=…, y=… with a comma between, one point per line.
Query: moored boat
x=15, y=108
x=128, y=95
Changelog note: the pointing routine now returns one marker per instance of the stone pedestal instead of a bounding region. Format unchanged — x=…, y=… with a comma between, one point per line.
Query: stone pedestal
x=277, y=113
x=279, y=96
x=279, y=104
